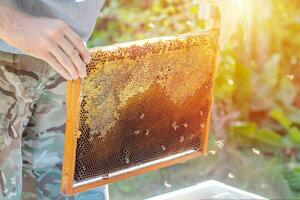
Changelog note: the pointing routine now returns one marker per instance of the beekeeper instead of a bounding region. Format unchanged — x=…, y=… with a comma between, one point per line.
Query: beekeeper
x=42, y=46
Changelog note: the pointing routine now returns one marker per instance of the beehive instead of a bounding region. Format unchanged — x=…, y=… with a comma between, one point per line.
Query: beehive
x=143, y=105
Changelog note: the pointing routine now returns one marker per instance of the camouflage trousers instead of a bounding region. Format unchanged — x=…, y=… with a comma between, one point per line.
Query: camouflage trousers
x=32, y=125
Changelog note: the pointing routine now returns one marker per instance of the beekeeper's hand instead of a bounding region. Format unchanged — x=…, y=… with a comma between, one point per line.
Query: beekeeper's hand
x=48, y=39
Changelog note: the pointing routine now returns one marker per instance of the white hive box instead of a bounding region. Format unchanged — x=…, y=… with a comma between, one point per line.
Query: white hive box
x=207, y=190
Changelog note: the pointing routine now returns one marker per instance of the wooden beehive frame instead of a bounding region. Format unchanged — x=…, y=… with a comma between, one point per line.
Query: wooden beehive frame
x=69, y=187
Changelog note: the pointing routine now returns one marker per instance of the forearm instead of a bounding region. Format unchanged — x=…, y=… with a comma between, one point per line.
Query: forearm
x=10, y=20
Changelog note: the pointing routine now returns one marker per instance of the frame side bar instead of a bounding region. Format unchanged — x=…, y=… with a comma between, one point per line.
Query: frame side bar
x=72, y=102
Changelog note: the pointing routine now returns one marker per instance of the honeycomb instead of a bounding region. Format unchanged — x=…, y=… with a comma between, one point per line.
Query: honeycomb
x=142, y=101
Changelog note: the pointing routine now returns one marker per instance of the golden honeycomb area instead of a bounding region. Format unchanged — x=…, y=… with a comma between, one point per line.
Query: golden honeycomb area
x=143, y=101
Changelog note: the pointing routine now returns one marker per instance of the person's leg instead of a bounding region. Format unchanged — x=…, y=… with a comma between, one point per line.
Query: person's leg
x=43, y=144
x=16, y=102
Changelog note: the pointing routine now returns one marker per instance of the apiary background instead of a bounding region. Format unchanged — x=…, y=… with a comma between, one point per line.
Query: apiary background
x=258, y=75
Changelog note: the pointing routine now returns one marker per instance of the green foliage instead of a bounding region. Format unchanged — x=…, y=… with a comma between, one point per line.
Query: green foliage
x=251, y=132
x=292, y=131
x=243, y=89
x=293, y=177
x=122, y=20
x=294, y=134
x=280, y=117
